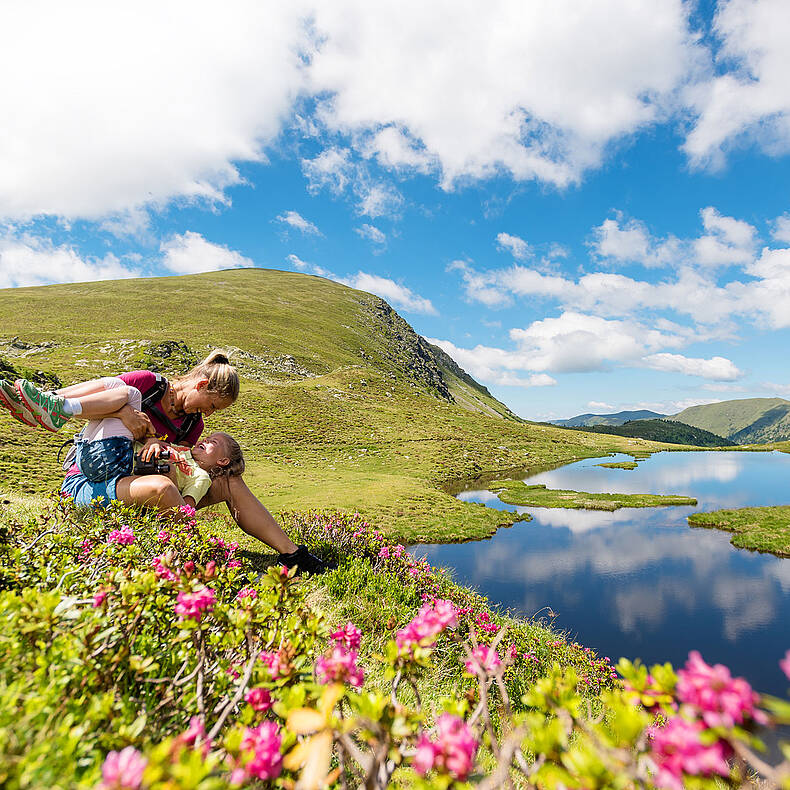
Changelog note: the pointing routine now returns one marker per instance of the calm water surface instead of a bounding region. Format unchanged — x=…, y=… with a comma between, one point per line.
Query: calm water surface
x=640, y=582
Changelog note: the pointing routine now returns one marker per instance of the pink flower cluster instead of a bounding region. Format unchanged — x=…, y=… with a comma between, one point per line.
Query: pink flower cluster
x=676, y=748
x=349, y=635
x=340, y=666
x=227, y=550
x=277, y=664
x=123, y=770
x=264, y=741
x=164, y=536
x=192, y=606
x=430, y=621
x=85, y=549
x=484, y=624
x=195, y=734
x=784, y=664
x=485, y=660
x=259, y=698
x=162, y=568
x=452, y=752
x=246, y=592
x=123, y=536
x=714, y=694
x=98, y=598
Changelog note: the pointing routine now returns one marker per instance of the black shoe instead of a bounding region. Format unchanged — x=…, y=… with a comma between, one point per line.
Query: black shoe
x=305, y=561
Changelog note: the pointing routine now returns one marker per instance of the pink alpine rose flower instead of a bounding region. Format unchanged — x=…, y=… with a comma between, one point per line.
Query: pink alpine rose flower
x=123, y=770
x=714, y=694
x=260, y=699
x=339, y=666
x=192, y=606
x=452, y=751
x=784, y=664
x=265, y=742
x=676, y=749
x=484, y=659
x=349, y=635
x=123, y=536
x=431, y=620
x=277, y=663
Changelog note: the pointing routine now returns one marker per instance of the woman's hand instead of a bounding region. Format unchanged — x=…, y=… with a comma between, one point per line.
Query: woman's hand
x=138, y=423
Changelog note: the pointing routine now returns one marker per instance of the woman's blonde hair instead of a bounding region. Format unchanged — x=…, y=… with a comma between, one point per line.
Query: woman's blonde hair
x=222, y=376
x=235, y=466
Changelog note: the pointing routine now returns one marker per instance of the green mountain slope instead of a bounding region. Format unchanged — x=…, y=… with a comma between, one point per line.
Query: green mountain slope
x=668, y=431
x=745, y=421
x=342, y=405
x=619, y=418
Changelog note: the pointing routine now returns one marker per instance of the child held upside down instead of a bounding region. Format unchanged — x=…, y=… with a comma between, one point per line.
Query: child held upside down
x=105, y=451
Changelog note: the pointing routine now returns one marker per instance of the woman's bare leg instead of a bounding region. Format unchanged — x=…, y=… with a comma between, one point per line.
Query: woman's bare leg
x=248, y=512
x=153, y=490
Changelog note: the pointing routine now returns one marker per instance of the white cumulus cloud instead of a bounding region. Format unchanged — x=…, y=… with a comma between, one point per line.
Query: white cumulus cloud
x=716, y=368
x=295, y=220
x=748, y=99
x=107, y=107
x=515, y=245
x=28, y=260
x=396, y=294
x=474, y=89
x=190, y=253
x=371, y=233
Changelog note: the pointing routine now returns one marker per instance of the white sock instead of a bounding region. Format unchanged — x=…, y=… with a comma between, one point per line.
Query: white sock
x=72, y=406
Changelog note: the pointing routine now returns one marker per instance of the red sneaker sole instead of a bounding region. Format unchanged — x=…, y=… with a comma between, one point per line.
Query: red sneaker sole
x=12, y=407
x=31, y=408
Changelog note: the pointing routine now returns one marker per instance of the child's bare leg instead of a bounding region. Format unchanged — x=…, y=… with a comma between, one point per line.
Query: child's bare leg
x=81, y=389
x=152, y=490
x=103, y=403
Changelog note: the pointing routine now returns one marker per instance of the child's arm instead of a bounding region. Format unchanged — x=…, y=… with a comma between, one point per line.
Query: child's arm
x=188, y=500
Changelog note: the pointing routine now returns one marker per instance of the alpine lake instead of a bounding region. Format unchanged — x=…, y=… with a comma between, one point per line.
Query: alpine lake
x=639, y=582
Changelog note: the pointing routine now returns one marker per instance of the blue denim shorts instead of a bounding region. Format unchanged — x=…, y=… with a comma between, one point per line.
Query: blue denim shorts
x=101, y=460
x=84, y=491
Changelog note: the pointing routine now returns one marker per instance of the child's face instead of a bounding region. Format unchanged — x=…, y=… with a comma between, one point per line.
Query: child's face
x=209, y=453
x=201, y=399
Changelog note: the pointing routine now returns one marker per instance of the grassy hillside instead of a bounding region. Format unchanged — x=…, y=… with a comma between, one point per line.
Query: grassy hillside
x=745, y=421
x=342, y=404
x=668, y=431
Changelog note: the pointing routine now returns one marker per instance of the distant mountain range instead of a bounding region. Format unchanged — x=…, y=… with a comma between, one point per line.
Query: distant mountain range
x=745, y=421
x=619, y=418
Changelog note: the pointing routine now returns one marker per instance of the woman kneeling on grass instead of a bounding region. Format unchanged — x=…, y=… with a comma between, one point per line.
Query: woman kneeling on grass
x=173, y=410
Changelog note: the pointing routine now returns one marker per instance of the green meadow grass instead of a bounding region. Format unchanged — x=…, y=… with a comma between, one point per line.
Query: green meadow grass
x=516, y=492
x=345, y=424
x=758, y=528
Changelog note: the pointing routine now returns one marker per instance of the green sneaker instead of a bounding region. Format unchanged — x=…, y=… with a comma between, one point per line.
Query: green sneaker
x=46, y=408
x=9, y=398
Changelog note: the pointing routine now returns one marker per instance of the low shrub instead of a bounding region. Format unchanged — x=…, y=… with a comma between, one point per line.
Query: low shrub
x=143, y=653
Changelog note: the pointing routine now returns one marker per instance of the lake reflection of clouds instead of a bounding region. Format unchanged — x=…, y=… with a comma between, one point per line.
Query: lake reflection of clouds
x=639, y=582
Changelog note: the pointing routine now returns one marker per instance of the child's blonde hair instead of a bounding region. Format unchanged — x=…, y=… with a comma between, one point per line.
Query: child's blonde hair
x=222, y=376
x=235, y=466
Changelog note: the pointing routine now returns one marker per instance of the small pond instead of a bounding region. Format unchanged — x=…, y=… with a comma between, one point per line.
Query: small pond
x=640, y=582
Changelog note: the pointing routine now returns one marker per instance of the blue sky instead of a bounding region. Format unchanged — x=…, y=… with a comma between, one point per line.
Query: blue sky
x=586, y=204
